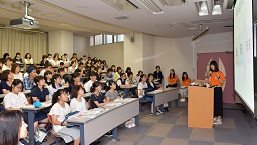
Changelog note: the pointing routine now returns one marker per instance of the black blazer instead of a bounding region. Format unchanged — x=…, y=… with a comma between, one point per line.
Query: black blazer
x=158, y=76
x=150, y=88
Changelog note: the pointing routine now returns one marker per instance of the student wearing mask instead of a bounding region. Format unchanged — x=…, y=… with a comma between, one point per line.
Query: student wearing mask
x=58, y=112
x=28, y=82
x=17, y=58
x=7, y=64
x=216, y=80
x=16, y=71
x=157, y=75
x=184, y=88
x=13, y=128
x=78, y=103
x=172, y=79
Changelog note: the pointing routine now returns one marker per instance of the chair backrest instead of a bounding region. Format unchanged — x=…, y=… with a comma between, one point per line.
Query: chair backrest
x=49, y=117
x=29, y=100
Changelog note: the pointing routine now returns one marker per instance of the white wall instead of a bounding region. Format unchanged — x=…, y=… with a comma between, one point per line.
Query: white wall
x=60, y=42
x=80, y=46
x=148, y=53
x=180, y=53
x=133, y=52
x=112, y=53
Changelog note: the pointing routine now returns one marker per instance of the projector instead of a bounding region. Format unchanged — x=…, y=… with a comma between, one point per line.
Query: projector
x=24, y=23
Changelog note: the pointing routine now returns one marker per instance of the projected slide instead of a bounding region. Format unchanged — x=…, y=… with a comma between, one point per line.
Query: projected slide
x=243, y=51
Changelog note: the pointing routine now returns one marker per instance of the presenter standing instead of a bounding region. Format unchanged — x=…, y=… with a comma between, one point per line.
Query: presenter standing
x=216, y=80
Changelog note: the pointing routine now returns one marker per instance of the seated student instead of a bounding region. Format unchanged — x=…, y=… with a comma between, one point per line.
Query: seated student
x=16, y=71
x=96, y=63
x=142, y=86
x=64, y=81
x=99, y=74
x=17, y=58
x=56, y=85
x=44, y=61
x=184, y=88
x=89, y=63
x=131, y=79
x=48, y=67
x=48, y=75
x=63, y=66
x=15, y=99
x=128, y=69
x=151, y=87
x=49, y=58
x=84, y=61
x=103, y=67
x=66, y=58
x=28, y=59
x=92, y=70
x=63, y=61
x=111, y=93
x=38, y=92
x=58, y=112
x=13, y=128
x=7, y=79
x=109, y=75
x=88, y=84
x=78, y=103
x=97, y=98
x=74, y=80
x=117, y=74
x=72, y=68
x=28, y=82
x=122, y=81
x=81, y=70
x=7, y=64
x=157, y=75
x=172, y=79
x=56, y=62
x=139, y=73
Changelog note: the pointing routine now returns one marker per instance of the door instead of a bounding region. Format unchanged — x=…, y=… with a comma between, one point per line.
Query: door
x=225, y=63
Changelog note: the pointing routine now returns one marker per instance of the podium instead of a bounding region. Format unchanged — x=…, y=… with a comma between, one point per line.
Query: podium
x=200, y=107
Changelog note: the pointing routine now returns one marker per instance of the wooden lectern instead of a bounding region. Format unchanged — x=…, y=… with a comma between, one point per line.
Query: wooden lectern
x=200, y=107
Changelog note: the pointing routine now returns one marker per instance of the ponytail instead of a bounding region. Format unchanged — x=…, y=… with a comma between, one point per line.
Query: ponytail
x=94, y=85
x=56, y=94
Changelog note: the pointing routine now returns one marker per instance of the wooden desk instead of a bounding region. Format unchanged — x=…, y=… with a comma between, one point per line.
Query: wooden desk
x=92, y=129
x=200, y=107
x=31, y=110
x=165, y=96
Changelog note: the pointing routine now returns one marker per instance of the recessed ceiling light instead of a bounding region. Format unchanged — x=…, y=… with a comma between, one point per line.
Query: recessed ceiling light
x=202, y=8
x=164, y=25
x=82, y=6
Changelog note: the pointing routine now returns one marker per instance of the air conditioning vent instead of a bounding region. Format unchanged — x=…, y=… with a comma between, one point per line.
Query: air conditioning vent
x=151, y=6
x=168, y=3
x=121, y=5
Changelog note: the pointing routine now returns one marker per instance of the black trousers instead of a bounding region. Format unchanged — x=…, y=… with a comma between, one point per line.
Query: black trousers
x=218, y=102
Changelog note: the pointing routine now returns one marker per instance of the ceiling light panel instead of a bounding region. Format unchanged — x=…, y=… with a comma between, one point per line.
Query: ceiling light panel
x=202, y=8
x=151, y=6
x=217, y=7
x=167, y=3
x=183, y=24
x=212, y=21
x=121, y=5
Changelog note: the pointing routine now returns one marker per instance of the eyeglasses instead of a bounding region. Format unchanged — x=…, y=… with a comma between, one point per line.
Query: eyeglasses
x=19, y=87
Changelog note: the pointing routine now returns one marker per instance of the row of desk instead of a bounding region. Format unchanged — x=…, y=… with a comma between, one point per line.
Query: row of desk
x=105, y=121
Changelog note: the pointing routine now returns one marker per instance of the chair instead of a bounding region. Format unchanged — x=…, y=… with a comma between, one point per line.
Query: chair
x=58, y=139
x=141, y=102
